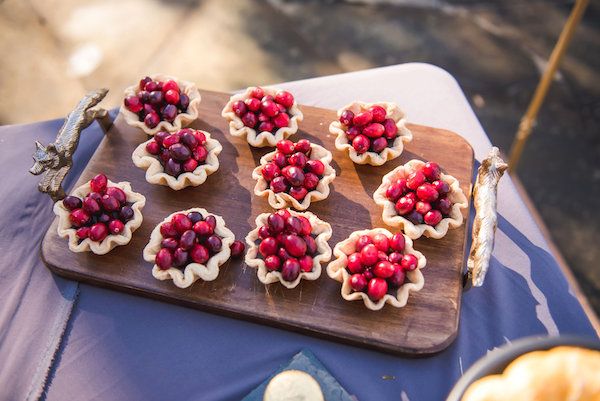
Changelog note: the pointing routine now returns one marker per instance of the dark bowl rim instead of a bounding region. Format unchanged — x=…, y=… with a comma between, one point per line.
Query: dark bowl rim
x=495, y=361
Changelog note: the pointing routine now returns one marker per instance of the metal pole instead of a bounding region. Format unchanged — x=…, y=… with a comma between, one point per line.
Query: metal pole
x=528, y=120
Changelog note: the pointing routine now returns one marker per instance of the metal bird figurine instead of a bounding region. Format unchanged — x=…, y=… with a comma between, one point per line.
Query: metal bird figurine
x=56, y=159
x=484, y=226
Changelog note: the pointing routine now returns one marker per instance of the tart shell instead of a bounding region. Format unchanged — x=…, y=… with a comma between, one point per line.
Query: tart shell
x=322, y=231
x=392, y=218
x=111, y=241
x=192, y=271
x=263, y=138
x=155, y=173
x=181, y=121
x=282, y=199
x=372, y=158
x=337, y=271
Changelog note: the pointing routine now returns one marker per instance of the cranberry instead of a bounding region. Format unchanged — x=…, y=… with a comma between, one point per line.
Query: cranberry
x=306, y=227
x=284, y=98
x=373, y=130
x=133, y=103
x=264, y=232
x=361, y=144
x=368, y=274
x=441, y=187
x=172, y=168
x=263, y=118
x=117, y=193
x=394, y=192
x=199, y=254
x=285, y=146
x=276, y=223
x=398, y=277
x=433, y=217
x=202, y=228
x=409, y=262
x=411, y=195
x=414, y=217
x=171, y=140
x=358, y=282
x=267, y=98
x=395, y=257
x=82, y=233
x=200, y=154
x=98, y=232
x=391, y=129
x=404, y=205
x=298, y=159
x=346, y=117
x=144, y=81
x=377, y=288
x=398, y=242
x=188, y=139
x=362, y=118
x=294, y=175
x=381, y=241
x=148, y=108
x=257, y=92
x=266, y=126
x=153, y=147
x=362, y=241
x=164, y=155
x=279, y=159
x=315, y=166
x=353, y=132
x=172, y=97
x=249, y=119
x=378, y=113
x=303, y=145
x=284, y=213
x=272, y=262
x=194, y=217
x=281, y=252
x=382, y=255
x=414, y=180
x=431, y=171
x=170, y=85
x=116, y=227
x=279, y=184
x=184, y=102
x=354, y=263
x=378, y=145
x=189, y=165
x=268, y=246
x=110, y=203
x=239, y=108
x=422, y=207
x=281, y=120
x=214, y=243
x=169, y=243
x=187, y=239
x=72, y=202
x=253, y=104
x=237, y=248
x=181, y=222
x=151, y=120
x=444, y=205
x=369, y=255
x=269, y=108
x=383, y=269
x=164, y=259
x=98, y=183
x=167, y=230
x=293, y=224
x=306, y=263
x=426, y=192
x=295, y=245
x=311, y=181
x=298, y=193
x=180, y=257
x=180, y=152
x=311, y=244
x=290, y=270
x=104, y=218
x=156, y=97
x=95, y=196
x=151, y=86
x=90, y=205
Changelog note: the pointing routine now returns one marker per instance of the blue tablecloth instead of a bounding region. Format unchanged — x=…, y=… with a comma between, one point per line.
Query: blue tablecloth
x=68, y=341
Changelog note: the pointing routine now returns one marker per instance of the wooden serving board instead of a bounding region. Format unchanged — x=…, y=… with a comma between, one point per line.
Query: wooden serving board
x=426, y=325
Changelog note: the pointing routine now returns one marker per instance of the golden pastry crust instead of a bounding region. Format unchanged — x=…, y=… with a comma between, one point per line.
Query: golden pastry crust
x=392, y=218
x=293, y=385
x=337, y=271
x=322, y=232
x=181, y=121
x=562, y=373
x=111, y=241
x=192, y=271
x=282, y=199
x=264, y=138
x=155, y=173
x=372, y=158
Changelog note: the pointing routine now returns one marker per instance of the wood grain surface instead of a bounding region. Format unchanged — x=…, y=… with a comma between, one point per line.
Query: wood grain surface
x=427, y=324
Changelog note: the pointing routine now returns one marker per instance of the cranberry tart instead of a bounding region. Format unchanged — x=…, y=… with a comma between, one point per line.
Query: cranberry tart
x=373, y=133
x=294, y=175
x=263, y=115
x=288, y=246
x=378, y=267
x=421, y=200
x=161, y=103
x=189, y=245
x=181, y=159
x=99, y=215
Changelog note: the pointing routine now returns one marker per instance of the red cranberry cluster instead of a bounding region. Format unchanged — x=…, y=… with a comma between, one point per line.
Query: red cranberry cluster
x=265, y=112
x=286, y=244
x=369, y=130
x=180, y=152
x=103, y=211
x=190, y=238
x=157, y=101
x=421, y=197
x=379, y=263
x=291, y=170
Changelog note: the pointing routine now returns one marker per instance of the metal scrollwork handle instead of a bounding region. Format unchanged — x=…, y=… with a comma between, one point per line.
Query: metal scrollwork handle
x=56, y=159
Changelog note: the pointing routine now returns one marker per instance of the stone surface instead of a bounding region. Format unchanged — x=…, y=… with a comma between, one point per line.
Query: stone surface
x=495, y=49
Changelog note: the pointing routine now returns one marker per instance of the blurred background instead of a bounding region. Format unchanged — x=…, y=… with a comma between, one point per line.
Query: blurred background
x=53, y=51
